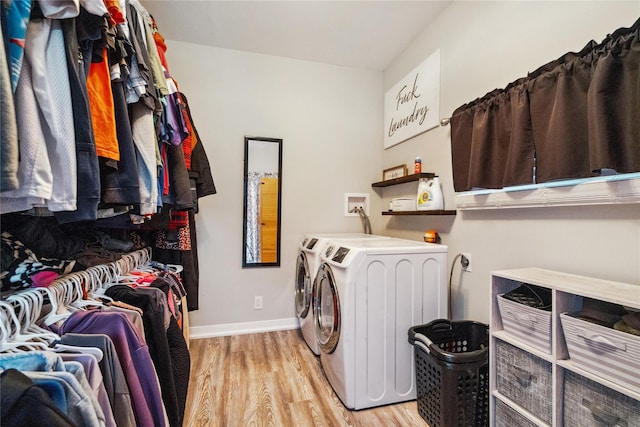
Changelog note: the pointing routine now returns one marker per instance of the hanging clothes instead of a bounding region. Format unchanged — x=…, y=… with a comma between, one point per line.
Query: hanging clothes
x=157, y=319
x=134, y=357
x=8, y=127
x=113, y=377
x=26, y=404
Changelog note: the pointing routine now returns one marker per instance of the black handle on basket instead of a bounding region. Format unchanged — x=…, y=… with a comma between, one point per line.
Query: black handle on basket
x=602, y=415
x=523, y=377
x=441, y=325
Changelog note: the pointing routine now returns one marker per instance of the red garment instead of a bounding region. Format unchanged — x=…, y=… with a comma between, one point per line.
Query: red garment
x=113, y=6
x=160, y=44
x=190, y=141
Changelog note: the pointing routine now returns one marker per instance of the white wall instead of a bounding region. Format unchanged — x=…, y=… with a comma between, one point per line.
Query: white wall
x=483, y=46
x=330, y=121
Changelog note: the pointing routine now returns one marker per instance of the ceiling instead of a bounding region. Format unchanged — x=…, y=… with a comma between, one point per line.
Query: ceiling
x=359, y=34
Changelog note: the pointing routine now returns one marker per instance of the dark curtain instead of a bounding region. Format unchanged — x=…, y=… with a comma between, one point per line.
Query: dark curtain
x=614, y=103
x=570, y=118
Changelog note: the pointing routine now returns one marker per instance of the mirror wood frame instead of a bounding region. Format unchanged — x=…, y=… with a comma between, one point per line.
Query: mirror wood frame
x=246, y=262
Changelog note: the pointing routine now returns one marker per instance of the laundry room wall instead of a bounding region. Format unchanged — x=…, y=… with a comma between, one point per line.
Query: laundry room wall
x=483, y=46
x=329, y=120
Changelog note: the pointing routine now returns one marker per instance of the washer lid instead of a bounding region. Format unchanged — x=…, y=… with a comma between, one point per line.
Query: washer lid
x=392, y=246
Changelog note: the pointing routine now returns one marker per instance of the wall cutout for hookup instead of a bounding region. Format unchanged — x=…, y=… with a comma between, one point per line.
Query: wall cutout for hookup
x=353, y=201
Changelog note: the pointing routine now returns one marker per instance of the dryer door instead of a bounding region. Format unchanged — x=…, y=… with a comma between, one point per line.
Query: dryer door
x=303, y=286
x=326, y=305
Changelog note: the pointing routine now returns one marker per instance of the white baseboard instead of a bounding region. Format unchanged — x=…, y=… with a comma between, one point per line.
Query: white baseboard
x=227, y=329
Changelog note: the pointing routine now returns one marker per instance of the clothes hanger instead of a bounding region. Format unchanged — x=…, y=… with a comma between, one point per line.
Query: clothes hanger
x=58, y=311
x=100, y=278
x=66, y=348
x=30, y=305
x=12, y=338
x=78, y=299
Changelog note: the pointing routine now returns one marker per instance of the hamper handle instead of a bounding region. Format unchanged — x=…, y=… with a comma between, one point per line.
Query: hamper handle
x=422, y=346
x=424, y=340
x=523, y=377
x=600, y=339
x=522, y=318
x=441, y=325
x=602, y=415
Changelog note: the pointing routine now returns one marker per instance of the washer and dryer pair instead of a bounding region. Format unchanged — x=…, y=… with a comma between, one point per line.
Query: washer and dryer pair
x=307, y=265
x=367, y=294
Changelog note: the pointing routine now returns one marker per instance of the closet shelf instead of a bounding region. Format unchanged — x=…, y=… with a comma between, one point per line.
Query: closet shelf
x=433, y=212
x=403, y=179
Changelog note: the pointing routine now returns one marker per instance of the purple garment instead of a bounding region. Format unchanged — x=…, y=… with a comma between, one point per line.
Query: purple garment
x=134, y=357
x=173, y=129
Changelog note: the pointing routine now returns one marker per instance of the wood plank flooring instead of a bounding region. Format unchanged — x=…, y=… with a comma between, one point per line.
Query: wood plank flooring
x=272, y=379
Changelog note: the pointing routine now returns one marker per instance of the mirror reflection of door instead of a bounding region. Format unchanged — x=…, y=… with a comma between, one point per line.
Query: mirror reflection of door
x=262, y=190
x=268, y=219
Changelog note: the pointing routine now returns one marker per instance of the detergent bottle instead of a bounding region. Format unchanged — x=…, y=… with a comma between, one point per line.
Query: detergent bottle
x=429, y=194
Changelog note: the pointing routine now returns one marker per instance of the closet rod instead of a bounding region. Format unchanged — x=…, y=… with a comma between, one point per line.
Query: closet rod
x=128, y=262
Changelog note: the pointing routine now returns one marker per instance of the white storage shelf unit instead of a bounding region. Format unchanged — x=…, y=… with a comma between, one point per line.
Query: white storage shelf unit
x=567, y=291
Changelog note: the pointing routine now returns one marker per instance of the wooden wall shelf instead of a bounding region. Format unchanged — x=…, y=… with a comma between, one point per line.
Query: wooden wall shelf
x=403, y=179
x=433, y=212
x=411, y=178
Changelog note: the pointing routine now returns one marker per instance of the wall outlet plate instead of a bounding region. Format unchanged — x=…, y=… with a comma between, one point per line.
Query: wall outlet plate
x=257, y=303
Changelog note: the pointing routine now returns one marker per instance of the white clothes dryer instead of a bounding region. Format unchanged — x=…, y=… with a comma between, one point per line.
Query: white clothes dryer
x=306, y=267
x=367, y=296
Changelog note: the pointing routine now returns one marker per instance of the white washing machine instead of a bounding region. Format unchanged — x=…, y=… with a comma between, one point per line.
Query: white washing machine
x=367, y=296
x=306, y=267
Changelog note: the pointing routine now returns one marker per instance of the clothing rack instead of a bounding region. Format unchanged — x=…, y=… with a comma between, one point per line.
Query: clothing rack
x=108, y=271
x=152, y=358
x=65, y=289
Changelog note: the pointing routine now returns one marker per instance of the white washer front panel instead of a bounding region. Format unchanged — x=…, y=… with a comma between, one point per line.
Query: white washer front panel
x=383, y=291
x=311, y=248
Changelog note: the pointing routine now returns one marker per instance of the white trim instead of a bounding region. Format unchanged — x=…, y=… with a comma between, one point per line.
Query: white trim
x=196, y=332
x=605, y=190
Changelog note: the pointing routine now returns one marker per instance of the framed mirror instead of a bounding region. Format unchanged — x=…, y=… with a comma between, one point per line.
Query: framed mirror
x=262, y=200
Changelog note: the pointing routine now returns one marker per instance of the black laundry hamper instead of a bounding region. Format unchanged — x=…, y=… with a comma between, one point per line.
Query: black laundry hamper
x=452, y=372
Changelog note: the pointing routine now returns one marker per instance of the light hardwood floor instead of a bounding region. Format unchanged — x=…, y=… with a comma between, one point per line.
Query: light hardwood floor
x=272, y=379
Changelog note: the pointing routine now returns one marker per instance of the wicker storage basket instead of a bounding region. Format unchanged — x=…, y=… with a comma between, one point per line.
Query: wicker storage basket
x=529, y=324
x=603, y=351
x=525, y=379
x=589, y=404
x=508, y=417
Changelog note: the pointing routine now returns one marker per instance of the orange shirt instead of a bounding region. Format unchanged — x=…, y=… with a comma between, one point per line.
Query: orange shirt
x=102, y=109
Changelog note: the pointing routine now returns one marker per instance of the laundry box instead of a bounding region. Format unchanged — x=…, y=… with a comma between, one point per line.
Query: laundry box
x=526, y=315
x=589, y=404
x=605, y=352
x=525, y=379
x=400, y=205
x=508, y=417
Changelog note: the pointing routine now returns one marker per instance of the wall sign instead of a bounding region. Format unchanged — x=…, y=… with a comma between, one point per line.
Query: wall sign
x=412, y=106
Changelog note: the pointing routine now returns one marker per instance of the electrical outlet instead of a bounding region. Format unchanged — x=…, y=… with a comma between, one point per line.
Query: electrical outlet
x=465, y=260
x=257, y=303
